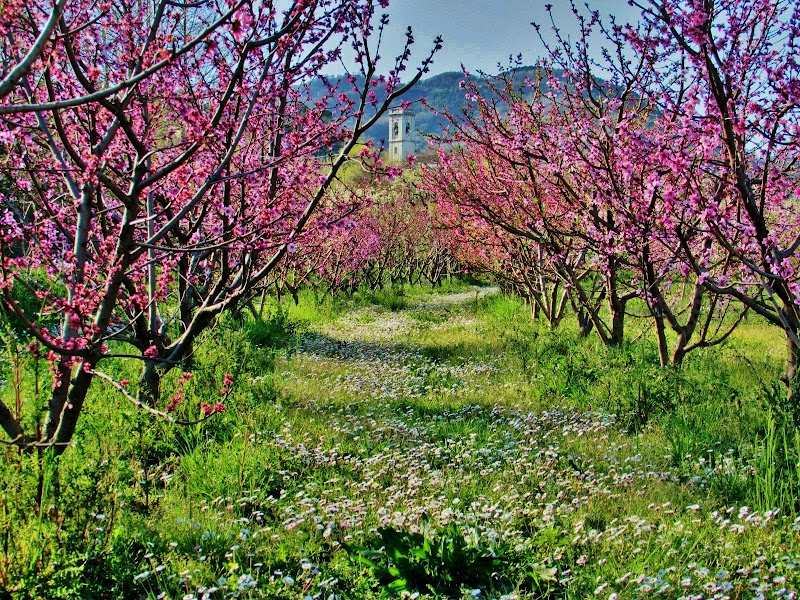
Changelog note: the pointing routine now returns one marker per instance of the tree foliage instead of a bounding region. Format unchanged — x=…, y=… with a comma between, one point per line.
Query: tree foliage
x=159, y=160
x=665, y=171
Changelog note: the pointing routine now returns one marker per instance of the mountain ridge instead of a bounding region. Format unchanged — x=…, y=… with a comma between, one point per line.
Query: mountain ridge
x=442, y=92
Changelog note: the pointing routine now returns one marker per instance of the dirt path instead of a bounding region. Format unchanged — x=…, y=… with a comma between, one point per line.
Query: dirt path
x=384, y=354
x=379, y=324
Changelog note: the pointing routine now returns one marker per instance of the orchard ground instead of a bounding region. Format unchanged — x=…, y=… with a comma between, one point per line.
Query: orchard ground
x=569, y=470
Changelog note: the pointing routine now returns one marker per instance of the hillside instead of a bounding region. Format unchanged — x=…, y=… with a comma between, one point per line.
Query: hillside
x=441, y=91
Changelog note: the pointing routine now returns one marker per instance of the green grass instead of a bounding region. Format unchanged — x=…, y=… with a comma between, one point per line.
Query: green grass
x=412, y=412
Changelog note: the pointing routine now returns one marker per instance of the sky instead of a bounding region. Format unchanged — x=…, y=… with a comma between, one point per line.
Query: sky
x=482, y=33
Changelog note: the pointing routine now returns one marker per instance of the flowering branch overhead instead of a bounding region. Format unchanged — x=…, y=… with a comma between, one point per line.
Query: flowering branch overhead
x=156, y=163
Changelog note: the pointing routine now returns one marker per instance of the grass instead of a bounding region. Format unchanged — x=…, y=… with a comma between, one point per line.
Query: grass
x=571, y=469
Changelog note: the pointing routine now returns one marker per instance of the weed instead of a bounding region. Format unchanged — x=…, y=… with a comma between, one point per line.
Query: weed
x=539, y=449
x=276, y=330
x=777, y=468
x=436, y=560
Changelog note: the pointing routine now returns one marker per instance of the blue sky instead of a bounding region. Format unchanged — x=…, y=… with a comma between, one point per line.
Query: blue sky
x=482, y=33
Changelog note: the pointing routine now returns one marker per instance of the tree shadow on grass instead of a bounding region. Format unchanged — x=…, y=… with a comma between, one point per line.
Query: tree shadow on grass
x=326, y=346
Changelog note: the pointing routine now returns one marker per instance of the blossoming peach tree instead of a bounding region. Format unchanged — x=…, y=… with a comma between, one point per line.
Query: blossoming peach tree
x=671, y=156
x=729, y=86
x=157, y=159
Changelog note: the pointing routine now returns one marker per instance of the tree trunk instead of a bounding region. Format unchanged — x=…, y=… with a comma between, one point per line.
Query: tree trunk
x=150, y=383
x=9, y=423
x=58, y=398
x=617, y=307
x=679, y=352
x=617, y=326
x=792, y=362
x=661, y=336
x=79, y=388
x=585, y=323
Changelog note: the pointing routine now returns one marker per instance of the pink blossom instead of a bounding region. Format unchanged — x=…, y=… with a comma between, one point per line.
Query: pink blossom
x=220, y=179
x=240, y=23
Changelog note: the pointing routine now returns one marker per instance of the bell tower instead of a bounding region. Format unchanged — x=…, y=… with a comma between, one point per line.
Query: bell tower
x=401, y=134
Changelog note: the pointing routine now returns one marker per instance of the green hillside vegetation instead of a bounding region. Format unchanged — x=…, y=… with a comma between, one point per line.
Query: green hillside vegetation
x=441, y=91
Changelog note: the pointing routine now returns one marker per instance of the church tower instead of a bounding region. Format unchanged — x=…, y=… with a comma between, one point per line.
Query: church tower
x=401, y=134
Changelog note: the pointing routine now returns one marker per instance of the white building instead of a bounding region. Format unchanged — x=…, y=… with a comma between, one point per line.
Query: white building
x=402, y=134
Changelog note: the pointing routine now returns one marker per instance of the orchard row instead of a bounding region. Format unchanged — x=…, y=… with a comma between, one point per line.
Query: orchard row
x=161, y=165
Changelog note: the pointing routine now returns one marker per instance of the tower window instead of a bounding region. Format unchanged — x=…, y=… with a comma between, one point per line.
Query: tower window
x=396, y=131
